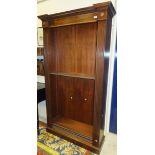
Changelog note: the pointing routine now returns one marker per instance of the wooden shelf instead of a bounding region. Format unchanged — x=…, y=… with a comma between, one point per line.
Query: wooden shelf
x=74, y=75
x=75, y=127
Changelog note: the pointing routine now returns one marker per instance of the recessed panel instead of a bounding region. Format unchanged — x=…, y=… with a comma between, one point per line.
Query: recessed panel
x=75, y=47
x=75, y=98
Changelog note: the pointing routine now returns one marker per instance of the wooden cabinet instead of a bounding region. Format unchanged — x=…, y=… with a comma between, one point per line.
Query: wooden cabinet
x=76, y=48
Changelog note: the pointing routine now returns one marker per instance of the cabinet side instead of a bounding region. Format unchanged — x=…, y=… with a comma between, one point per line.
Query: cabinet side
x=105, y=77
x=101, y=79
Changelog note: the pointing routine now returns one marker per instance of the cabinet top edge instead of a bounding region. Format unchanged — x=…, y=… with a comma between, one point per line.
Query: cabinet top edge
x=108, y=6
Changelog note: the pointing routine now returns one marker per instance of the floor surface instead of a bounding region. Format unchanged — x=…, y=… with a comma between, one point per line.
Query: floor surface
x=110, y=145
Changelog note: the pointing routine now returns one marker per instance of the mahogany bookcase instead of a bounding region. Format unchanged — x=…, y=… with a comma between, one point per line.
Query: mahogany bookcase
x=76, y=50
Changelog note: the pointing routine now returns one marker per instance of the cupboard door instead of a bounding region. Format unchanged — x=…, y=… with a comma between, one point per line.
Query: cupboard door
x=64, y=95
x=52, y=108
x=83, y=99
x=75, y=98
x=88, y=101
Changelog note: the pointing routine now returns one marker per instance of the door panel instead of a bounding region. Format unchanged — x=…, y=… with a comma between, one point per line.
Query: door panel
x=88, y=101
x=75, y=98
x=53, y=110
x=64, y=93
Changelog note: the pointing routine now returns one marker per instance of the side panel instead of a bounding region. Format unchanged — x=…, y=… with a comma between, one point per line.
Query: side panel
x=102, y=64
x=105, y=77
x=47, y=56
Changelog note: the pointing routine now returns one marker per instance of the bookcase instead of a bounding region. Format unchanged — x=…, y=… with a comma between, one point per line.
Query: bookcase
x=76, y=51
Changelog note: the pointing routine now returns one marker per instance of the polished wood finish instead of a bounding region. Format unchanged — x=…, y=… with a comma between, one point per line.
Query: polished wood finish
x=102, y=11
x=75, y=98
x=105, y=79
x=87, y=18
x=77, y=44
x=101, y=79
x=72, y=97
x=77, y=76
x=69, y=46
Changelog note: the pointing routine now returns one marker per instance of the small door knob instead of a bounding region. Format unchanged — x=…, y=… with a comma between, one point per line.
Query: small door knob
x=71, y=97
x=95, y=17
x=102, y=14
x=85, y=99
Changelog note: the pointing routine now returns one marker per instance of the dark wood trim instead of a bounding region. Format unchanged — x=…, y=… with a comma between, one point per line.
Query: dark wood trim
x=72, y=75
x=101, y=79
x=105, y=5
x=71, y=20
x=66, y=13
x=101, y=35
x=46, y=33
x=100, y=11
x=105, y=77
